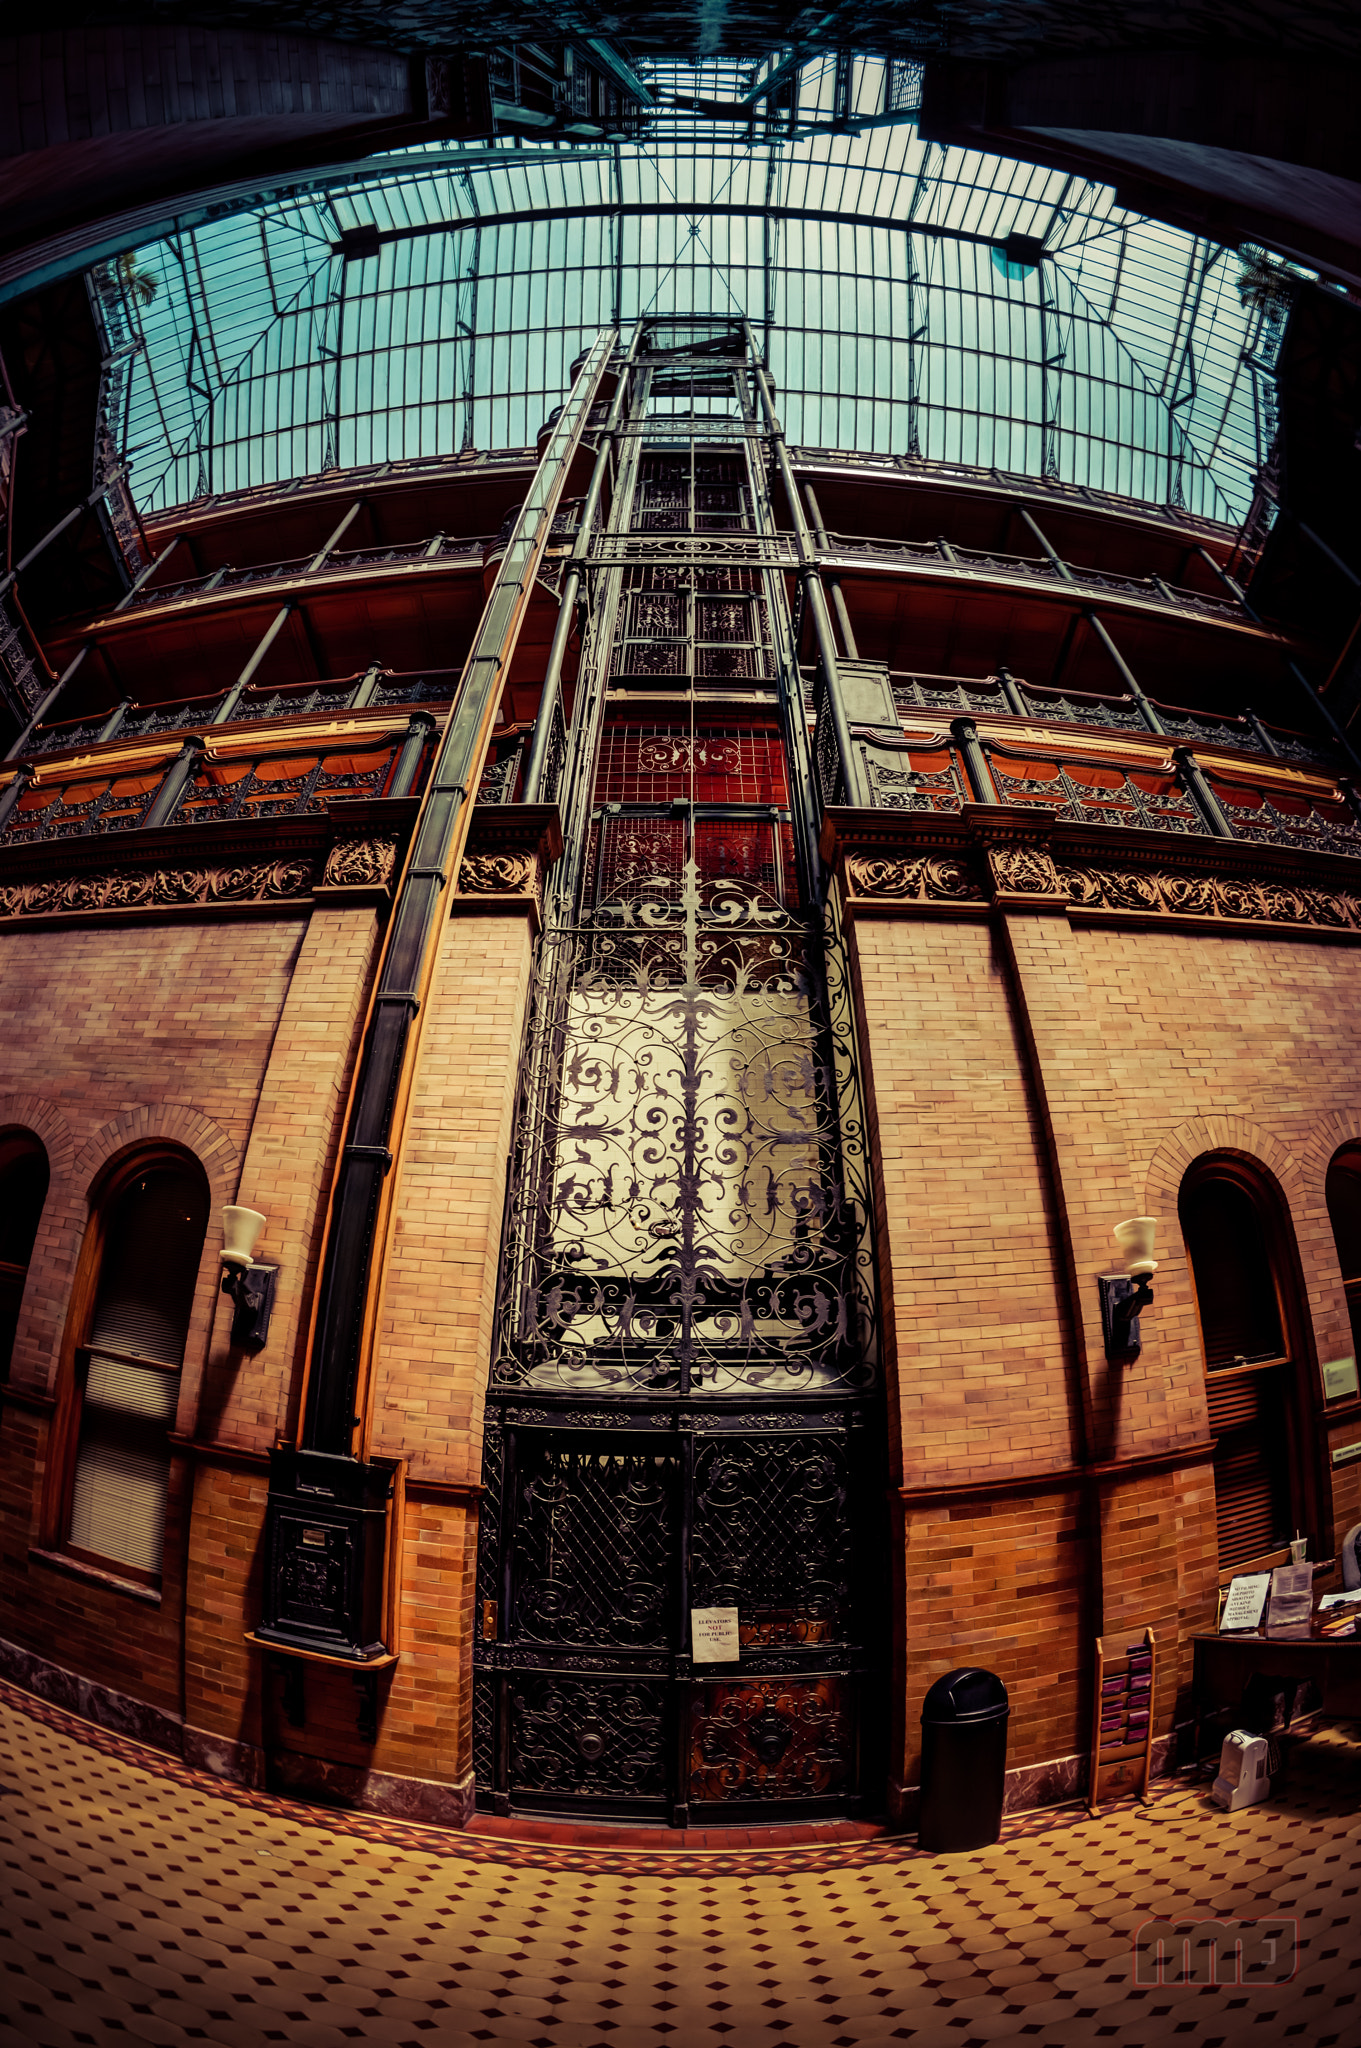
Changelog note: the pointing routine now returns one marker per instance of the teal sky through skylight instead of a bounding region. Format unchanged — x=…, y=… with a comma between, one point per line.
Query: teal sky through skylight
x=868, y=261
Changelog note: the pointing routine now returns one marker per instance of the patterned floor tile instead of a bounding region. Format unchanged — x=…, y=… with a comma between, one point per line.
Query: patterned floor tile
x=148, y=1904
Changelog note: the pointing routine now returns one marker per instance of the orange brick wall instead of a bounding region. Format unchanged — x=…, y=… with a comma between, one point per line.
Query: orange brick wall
x=1000, y=1583
x=436, y=1326
x=247, y=1398
x=971, y=1298
x=124, y=1035
x=1024, y=1058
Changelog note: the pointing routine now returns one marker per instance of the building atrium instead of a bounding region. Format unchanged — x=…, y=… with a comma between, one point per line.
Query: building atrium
x=680, y=1131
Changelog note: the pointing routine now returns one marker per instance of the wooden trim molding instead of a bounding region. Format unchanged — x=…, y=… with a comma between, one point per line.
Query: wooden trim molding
x=467, y=1491
x=218, y=1453
x=1113, y=1471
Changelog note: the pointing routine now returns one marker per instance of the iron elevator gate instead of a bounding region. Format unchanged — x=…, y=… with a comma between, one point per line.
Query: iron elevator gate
x=683, y=1411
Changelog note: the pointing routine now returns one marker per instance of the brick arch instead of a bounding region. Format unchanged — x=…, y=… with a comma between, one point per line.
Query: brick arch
x=1201, y=1134
x=1340, y=1127
x=36, y=1114
x=173, y=1123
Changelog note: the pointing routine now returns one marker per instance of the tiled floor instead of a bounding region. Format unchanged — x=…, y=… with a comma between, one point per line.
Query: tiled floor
x=145, y=1903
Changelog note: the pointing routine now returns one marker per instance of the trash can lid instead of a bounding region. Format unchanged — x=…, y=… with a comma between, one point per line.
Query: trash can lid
x=968, y=1694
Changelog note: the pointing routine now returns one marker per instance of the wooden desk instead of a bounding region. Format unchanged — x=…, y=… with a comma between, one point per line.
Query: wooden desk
x=1224, y=1664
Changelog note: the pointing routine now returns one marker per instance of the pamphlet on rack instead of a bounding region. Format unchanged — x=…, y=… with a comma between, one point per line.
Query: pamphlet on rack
x=1291, y=1607
x=1244, y=1602
x=1338, y=1614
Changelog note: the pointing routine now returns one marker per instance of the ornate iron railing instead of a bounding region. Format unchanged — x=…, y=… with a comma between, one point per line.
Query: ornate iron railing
x=295, y=700
x=945, y=558
x=438, y=547
x=227, y=788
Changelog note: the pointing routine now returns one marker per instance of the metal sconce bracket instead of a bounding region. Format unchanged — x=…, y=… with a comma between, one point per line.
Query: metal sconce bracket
x=252, y=1289
x=1122, y=1299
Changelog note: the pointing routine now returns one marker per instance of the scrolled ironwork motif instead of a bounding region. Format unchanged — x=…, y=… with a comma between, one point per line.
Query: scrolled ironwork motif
x=771, y=1738
x=156, y=888
x=679, y=1215
x=351, y=862
x=577, y=1736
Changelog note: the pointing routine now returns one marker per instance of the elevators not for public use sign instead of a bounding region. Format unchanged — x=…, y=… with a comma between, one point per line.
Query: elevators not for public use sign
x=713, y=1635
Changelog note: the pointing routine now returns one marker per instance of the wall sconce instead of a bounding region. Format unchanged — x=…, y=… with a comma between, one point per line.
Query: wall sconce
x=250, y=1286
x=1123, y=1295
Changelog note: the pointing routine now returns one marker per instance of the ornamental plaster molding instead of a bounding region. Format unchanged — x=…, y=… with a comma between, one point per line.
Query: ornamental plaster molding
x=499, y=874
x=355, y=862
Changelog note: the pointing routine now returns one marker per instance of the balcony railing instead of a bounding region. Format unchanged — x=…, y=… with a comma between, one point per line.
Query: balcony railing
x=380, y=689
x=437, y=548
x=198, y=787
x=944, y=556
x=901, y=772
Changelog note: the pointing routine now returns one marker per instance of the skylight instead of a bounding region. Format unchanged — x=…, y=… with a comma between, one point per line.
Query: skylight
x=915, y=301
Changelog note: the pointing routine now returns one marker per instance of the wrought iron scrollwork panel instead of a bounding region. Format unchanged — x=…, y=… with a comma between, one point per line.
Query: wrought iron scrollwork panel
x=772, y=1536
x=682, y=1220
x=772, y=1739
x=595, y=1535
x=588, y=1737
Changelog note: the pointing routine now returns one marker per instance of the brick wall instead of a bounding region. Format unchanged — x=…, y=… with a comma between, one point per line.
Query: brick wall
x=1032, y=1082
x=128, y=1036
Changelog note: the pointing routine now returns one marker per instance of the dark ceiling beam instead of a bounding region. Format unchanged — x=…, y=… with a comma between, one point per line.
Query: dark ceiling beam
x=671, y=209
x=1237, y=145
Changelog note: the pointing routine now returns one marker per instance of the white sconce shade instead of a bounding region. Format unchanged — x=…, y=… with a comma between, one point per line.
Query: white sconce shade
x=240, y=1229
x=1135, y=1239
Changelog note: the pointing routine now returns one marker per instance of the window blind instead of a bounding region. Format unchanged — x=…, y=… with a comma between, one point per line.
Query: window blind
x=153, y=1242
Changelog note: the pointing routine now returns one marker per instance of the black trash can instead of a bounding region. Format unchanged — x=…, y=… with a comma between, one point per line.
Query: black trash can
x=964, y=1761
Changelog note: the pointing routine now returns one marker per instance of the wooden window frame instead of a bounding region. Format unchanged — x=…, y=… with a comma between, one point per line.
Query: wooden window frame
x=1298, y=1358
x=55, y=1519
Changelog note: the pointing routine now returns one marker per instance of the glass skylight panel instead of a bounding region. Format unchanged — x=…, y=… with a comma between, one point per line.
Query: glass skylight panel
x=901, y=327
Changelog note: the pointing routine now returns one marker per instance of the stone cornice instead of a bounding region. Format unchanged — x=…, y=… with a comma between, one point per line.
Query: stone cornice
x=985, y=858
x=346, y=854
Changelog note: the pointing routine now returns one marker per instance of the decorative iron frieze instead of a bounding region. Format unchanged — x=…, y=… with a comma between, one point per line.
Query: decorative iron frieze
x=123, y=889
x=355, y=863
x=1231, y=899
x=926, y=878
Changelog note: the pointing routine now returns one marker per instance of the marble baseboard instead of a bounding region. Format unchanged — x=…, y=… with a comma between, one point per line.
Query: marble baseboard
x=116, y=1711
x=1028, y=1786
x=241, y=1763
x=434, y=1801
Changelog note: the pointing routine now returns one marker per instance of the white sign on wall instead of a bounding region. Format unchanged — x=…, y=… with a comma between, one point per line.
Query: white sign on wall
x=713, y=1635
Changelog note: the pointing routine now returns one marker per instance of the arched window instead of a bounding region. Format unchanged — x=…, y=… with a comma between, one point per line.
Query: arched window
x=1343, y=1189
x=1240, y=1251
x=23, y=1190
x=149, y=1230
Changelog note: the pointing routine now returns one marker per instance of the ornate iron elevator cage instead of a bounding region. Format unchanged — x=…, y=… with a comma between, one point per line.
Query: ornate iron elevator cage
x=683, y=1407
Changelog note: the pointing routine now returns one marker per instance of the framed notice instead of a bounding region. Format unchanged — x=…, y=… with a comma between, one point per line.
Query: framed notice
x=713, y=1635
x=1244, y=1601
